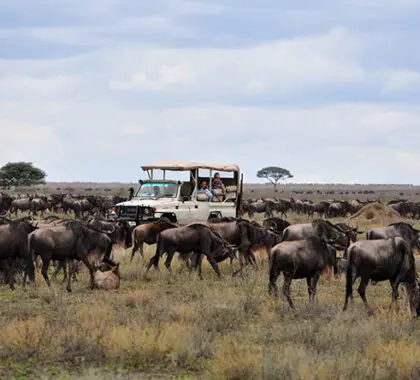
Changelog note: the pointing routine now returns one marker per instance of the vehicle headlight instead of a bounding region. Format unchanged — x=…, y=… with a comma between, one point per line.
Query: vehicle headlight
x=146, y=211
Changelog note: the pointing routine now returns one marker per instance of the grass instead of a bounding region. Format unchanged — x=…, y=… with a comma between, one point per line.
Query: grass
x=162, y=325
x=172, y=325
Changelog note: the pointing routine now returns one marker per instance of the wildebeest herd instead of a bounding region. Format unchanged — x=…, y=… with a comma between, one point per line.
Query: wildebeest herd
x=323, y=209
x=67, y=204
x=299, y=251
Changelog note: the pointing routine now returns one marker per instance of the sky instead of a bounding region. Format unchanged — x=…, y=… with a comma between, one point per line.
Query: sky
x=330, y=89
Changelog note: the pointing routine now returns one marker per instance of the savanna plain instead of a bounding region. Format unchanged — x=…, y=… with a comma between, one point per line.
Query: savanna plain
x=173, y=325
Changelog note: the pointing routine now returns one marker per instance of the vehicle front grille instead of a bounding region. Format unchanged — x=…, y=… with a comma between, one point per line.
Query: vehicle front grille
x=130, y=212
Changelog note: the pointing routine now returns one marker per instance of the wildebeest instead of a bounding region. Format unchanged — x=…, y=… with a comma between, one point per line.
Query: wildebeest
x=70, y=242
x=307, y=258
x=194, y=238
x=14, y=245
x=341, y=266
x=247, y=237
x=22, y=204
x=119, y=230
x=402, y=229
x=276, y=224
x=381, y=260
x=321, y=228
x=108, y=279
x=148, y=233
x=5, y=203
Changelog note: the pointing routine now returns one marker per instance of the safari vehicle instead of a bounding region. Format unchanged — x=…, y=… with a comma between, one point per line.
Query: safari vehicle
x=178, y=200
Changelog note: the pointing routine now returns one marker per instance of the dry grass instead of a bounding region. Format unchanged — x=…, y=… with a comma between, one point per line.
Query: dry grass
x=162, y=325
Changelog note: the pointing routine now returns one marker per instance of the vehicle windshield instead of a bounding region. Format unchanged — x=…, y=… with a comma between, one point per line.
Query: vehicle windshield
x=155, y=190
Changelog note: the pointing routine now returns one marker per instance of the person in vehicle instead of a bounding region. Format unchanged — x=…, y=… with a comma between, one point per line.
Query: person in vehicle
x=217, y=183
x=156, y=191
x=203, y=189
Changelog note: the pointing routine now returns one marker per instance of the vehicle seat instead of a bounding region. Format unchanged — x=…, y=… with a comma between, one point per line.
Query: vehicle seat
x=186, y=189
x=218, y=195
x=202, y=197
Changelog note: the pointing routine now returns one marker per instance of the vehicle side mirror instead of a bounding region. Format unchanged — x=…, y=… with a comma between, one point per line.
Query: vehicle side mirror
x=140, y=182
x=185, y=198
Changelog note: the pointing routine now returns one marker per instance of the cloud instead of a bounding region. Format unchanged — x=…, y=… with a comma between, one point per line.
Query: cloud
x=330, y=144
x=402, y=80
x=329, y=90
x=280, y=67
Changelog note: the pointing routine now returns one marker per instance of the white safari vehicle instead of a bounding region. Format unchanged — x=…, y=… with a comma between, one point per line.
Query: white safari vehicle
x=162, y=196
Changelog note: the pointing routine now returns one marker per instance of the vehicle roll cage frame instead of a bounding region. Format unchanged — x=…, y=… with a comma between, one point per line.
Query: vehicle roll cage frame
x=194, y=168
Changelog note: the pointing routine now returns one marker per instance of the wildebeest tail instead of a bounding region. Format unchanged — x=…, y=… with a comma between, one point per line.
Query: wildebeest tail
x=30, y=267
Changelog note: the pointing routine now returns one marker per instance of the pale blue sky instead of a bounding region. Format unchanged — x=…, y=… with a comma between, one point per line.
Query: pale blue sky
x=93, y=89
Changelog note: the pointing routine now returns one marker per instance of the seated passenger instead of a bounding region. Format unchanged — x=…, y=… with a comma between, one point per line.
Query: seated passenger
x=156, y=191
x=217, y=183
x=204, y=189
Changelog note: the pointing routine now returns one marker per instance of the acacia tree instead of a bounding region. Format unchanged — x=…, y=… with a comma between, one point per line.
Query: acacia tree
x=274, y=174
x=21, y=174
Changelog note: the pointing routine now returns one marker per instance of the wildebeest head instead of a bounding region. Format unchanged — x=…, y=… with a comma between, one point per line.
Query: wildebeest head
x=408, y=232
x=350, y=232
x=125, y=233
x=263, y=237
x=341, y=266
x=276, y=224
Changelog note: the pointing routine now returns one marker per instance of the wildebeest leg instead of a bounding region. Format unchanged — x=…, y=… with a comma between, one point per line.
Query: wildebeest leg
x=286, y=289
x=90, y=267
x=141, y=248
x=199, y=261
x=133, y=251
x=252, y=260
x=170, y=255
x=394, y=285
x=11, y=267
x=137, y=247
x=242, y=264
x=44, y=271
x=272, y=285
x=351, y=277
x=196, y=261
x=362, y=291
x=60, y=265
x=312, y=283
x=213, y=264
x=71, y=274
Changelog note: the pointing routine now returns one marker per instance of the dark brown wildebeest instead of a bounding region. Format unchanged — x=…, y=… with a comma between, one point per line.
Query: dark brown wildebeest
x=282, y=207
x=196, y=238
x=247, y=237
x=119, y=231
x=39, y=204
x=321, y=228
x=22, y=204
x=382, y=260
x=5, y=203
x=267, y=207
x=14, y=245
x=276, y=224
x=341, y=266
x=69, y=242
x=148, y=233
x=350, y=234
x=401, y=229
x=307, y=258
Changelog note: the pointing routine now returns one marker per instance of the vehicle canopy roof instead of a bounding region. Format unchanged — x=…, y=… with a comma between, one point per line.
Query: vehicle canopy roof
x=190, y=165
